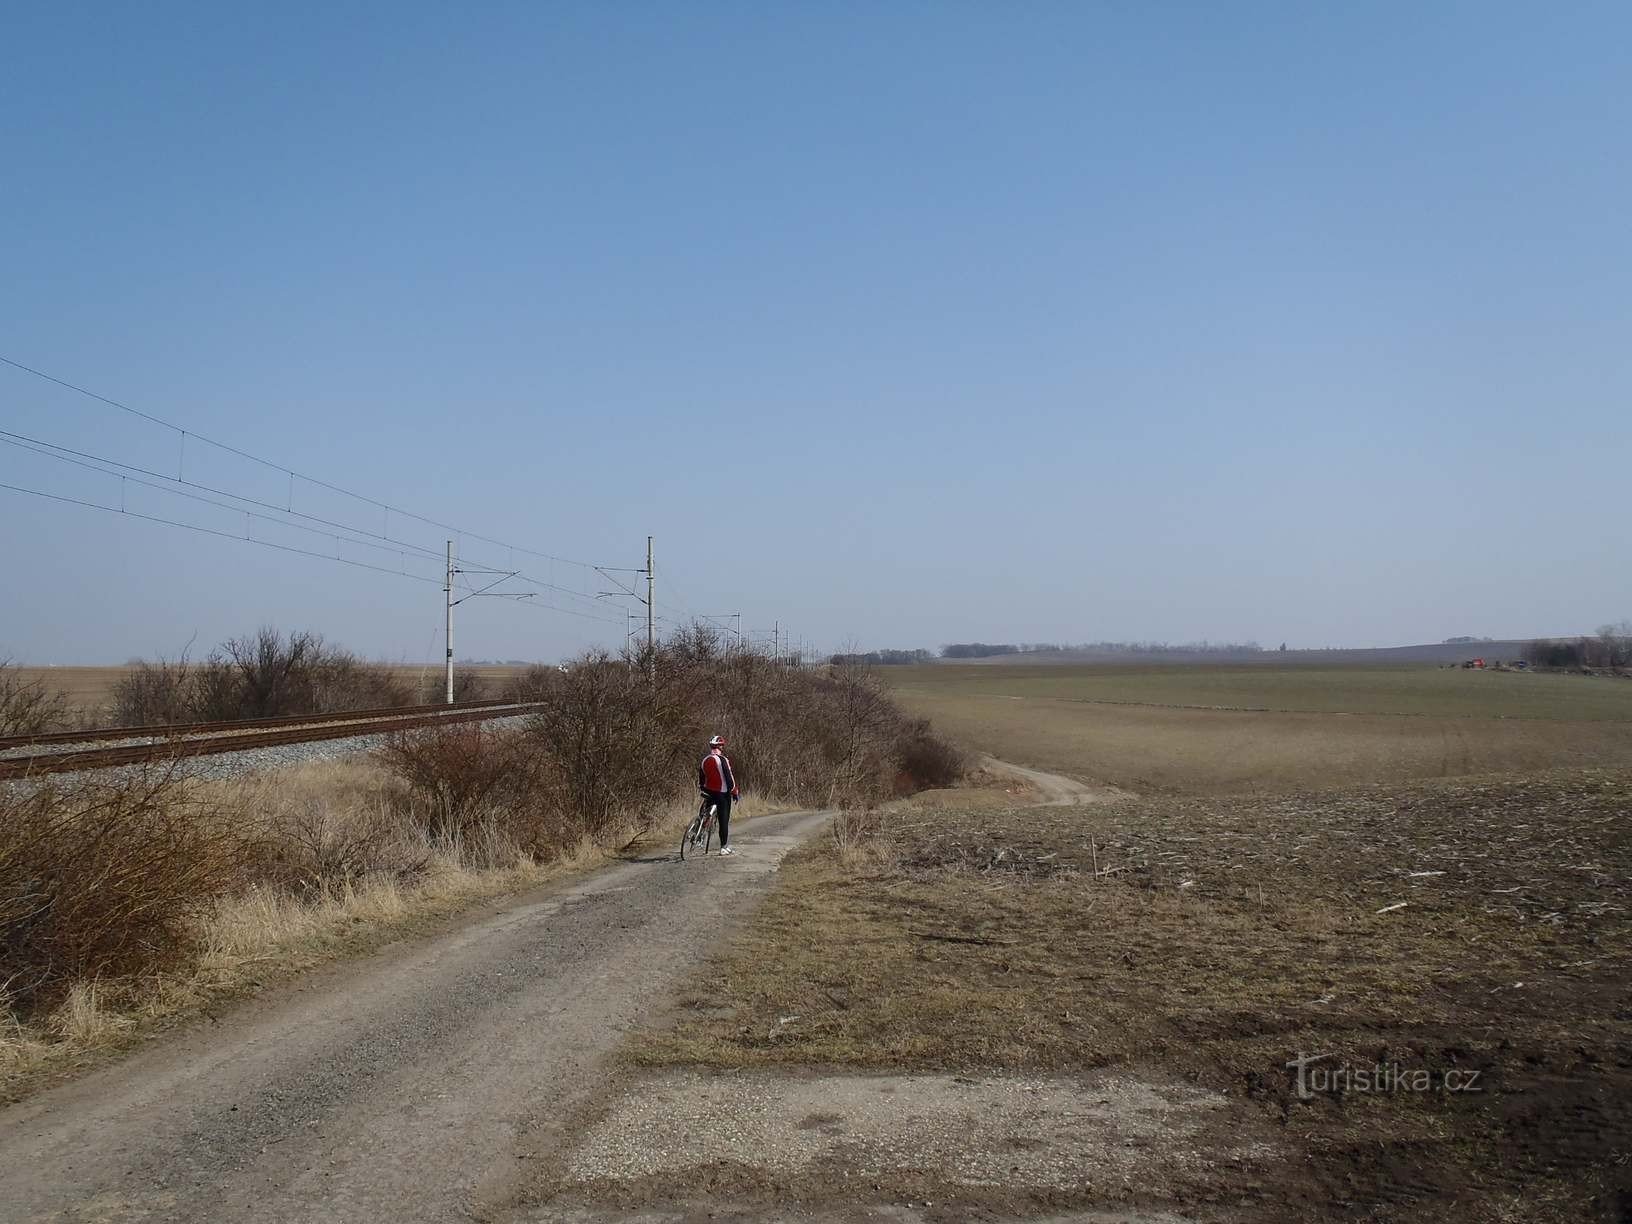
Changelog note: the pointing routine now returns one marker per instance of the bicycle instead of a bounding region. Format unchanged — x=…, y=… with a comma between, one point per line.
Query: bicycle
x=699, y=832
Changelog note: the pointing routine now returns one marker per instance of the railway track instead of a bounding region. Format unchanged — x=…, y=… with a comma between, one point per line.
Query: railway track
x=167, y=730
x=212, y=739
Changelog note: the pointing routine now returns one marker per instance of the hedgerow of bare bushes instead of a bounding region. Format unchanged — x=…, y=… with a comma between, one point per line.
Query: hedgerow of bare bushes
x=467, y=775
x=625, y=734
x=266, y=674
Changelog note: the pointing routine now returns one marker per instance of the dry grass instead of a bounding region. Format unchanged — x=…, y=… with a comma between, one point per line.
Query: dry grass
x=1290, y=731
x=104, y=878
x=337, y=871
x=1423, y=691
x=1218, y=938
x=87, y=691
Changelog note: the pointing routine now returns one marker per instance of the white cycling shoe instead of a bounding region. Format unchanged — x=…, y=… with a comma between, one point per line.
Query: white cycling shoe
x=727, y=850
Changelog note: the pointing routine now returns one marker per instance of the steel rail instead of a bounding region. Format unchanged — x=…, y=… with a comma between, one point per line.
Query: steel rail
x=173, y=749
x=162, y=730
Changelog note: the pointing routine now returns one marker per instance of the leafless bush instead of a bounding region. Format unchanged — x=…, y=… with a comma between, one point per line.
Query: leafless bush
x=28, y=707
x=1614, y=646
x=625, y=733
x=270, y=674
x=264, y=675
x=537, y=683
x=309, y=843
x=344, y=682
x=468, y=775
x=102, y=880
x=467, y=686
x=1552, y=652
x=621, y=737
x=927, y=759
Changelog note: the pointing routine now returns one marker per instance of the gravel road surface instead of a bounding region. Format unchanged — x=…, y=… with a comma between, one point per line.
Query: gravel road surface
x=414, y=1085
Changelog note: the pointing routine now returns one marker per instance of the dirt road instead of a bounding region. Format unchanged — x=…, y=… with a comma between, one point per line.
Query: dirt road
x=1054, y=790
x=415, y=1085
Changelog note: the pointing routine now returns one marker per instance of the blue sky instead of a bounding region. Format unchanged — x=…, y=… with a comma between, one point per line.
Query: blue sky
x=896, y=323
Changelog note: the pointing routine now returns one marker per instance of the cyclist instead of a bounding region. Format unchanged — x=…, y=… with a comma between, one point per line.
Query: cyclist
x=719, y=787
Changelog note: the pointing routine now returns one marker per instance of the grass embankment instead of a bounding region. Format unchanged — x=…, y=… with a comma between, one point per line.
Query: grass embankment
x=1210, y=730
x=1216, y=940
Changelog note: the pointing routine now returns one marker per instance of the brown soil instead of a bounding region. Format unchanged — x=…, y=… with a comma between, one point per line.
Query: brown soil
x=1217, y=941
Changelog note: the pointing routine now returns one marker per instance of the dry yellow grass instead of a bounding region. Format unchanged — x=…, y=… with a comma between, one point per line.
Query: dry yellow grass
x=248, y=941
x=1336, y=728
x=87, y=689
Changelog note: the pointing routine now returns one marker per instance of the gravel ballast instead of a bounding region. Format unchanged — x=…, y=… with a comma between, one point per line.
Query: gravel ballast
x=225, y=766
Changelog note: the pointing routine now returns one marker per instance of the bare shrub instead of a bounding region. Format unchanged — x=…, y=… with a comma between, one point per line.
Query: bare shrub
x=927, y=760
x=103, y=880
x=311, y=843
x=537, y=683
x=344, y=682
x=858, y=838
x=467, y=686
x=266, y=674
x=625, y=733
x=621, y=736
x=867, y=723
x=1552, y=652
x=1614, y=646
x=28, y=707
x=467, y=775
x=271, y=674
x=775, y=720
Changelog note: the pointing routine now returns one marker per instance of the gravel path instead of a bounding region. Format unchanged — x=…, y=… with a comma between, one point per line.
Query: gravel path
x=412, y=1085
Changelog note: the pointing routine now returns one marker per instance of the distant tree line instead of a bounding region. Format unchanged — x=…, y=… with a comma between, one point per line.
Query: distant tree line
x=986, y=650
x=1609, y=649
x=881, y=658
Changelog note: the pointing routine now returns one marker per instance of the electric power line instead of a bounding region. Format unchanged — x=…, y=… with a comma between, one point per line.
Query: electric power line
x=120, y=471
x=227, y=535
x=388, y=543
x=288, y=471
x=89, y=463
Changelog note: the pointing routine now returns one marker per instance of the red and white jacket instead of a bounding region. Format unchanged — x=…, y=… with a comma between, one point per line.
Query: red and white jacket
x=714, y=774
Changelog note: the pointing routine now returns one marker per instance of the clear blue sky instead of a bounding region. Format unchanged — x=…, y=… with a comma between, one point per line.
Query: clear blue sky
x=900, y=323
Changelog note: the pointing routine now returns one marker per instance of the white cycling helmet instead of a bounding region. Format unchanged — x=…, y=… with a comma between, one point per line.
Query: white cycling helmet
x=717, y=742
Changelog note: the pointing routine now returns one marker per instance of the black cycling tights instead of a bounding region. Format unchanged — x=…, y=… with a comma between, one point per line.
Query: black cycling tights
x=722, y=816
